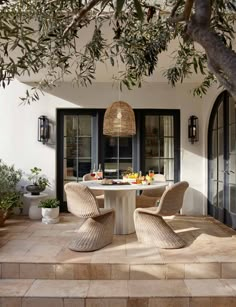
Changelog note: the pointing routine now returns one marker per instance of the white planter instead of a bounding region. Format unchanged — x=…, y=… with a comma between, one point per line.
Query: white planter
x=32, y=202
x=50, y=215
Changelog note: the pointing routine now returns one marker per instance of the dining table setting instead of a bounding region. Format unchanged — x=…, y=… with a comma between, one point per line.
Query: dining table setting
x=120, y=195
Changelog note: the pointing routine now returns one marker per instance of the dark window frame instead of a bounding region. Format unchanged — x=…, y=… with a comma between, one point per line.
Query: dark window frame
x=223, y=213
x=138, y=158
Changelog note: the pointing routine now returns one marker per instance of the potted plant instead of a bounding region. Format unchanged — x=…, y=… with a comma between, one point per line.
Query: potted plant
x=10, y=198
x=9, y=201
x=50, y=210
x=39, y=183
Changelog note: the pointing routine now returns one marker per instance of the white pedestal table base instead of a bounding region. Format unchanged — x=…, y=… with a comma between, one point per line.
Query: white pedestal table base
x=35, y=213
x=124, y=203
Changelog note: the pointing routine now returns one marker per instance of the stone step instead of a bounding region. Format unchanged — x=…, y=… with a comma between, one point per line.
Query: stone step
x=118, y=293
x=118, y=271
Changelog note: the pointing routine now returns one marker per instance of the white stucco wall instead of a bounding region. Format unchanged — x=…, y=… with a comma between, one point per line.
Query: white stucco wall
x=18, y=127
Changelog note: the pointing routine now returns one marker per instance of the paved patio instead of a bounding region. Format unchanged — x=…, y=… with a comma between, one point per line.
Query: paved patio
x=37, y=268
x=210, y=245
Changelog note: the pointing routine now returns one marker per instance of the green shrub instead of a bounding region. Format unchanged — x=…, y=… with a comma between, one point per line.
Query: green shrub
x=49, y=203
x=9, y=196
x=9, y=177
x=8, y=201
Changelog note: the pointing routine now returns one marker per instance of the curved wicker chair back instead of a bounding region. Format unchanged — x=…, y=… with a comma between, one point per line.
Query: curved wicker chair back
x=151, y=228
x=159, y=177
x=158, y=191
x=172, y=199
x=81, y=201
x=87, y=177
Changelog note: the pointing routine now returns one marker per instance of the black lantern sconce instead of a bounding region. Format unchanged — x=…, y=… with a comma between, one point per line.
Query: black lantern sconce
x=193, y=130
x=43, y=129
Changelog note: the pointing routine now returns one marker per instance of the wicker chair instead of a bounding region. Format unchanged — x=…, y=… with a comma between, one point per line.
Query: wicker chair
x=98, y=194
x=97, y=229
x=149, y=198
x=151, y=228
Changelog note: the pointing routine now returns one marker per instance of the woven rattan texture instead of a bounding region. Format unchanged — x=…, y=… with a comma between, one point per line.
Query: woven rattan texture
x=97, y=229
x=99, y=194
x=95, y=233
x=143, y=201
x=149, y=198
x=119, y=120
x=80, y=200
x=151, y=228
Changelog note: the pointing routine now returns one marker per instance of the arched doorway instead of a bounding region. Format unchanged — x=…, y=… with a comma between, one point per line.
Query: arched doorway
x=222, y=160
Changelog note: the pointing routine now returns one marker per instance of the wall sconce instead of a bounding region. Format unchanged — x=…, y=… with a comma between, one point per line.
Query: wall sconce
x=43, y=129
x=193, y=130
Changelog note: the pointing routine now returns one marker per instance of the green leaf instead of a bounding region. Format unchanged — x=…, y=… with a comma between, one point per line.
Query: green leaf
x=112, y=61
x=195, y=65
x=201, y=66
x=119, y=6
x=138, y=8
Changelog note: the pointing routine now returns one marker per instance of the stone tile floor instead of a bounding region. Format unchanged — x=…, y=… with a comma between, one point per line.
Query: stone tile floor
x=32, y=247
x=24, y=240
x=37, y=269
x=122, y=293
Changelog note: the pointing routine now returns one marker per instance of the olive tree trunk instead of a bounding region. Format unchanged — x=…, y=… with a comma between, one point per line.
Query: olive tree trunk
x=221, y=59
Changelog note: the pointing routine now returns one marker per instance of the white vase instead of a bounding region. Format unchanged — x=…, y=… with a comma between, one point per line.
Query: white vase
x=50, y=215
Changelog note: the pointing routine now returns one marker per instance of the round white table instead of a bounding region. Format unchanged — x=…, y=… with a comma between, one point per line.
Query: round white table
x=122, y=198
x=35, y=213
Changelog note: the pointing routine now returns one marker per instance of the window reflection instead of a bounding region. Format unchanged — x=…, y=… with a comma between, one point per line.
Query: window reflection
x=118, y=156
x=159, y=145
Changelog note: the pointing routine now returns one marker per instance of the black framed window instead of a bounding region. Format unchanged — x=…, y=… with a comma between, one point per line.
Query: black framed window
x=118, y=156
x=222, y=160
x=160, y=142
x=81, y=145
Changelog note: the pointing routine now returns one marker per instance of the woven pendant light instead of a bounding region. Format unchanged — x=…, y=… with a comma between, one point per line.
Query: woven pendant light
x=119, y=120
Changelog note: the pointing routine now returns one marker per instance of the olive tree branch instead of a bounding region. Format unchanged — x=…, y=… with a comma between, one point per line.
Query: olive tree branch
x=186, y=13
x=80, y=15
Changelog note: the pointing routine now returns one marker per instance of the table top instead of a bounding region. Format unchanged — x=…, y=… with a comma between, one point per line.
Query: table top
x=96, y=185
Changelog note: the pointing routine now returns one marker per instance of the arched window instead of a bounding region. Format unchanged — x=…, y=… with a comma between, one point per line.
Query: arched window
x=222, y=160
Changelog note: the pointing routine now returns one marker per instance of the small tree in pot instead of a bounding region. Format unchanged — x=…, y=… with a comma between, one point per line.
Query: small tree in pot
x=50, y=210
x=39, y=183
